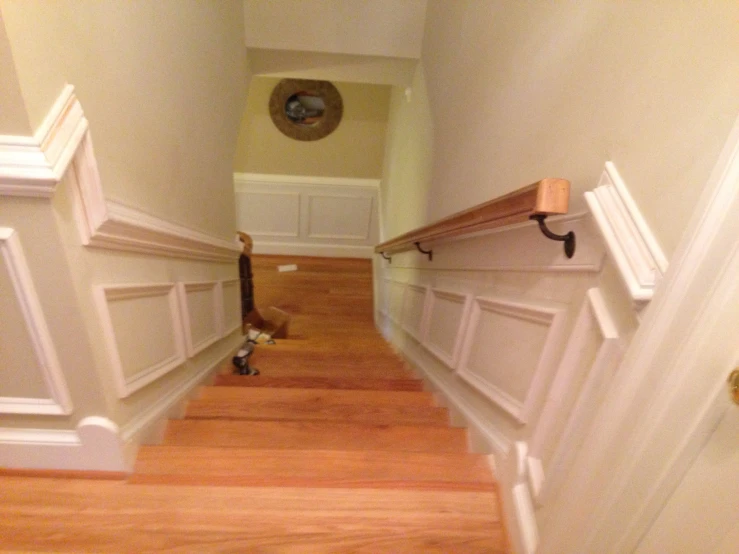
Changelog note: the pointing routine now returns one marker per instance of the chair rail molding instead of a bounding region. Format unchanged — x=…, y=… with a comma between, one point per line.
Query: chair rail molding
x=630, y=241
x=59, y=401
x=32, y=166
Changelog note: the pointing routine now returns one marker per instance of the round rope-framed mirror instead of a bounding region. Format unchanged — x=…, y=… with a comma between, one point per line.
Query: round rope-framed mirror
x=304, y=109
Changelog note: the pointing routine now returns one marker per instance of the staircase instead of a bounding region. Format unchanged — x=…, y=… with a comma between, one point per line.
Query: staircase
x=335, y=447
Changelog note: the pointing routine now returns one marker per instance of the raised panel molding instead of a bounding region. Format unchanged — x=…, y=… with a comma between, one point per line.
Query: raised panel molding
x=268, y=213
x=591, y=356
x=522, y=313
x=59, y=401
x=213, y=313
x=105, y=295
x=32, y=166
x=462, y=303
x=231, y=307
x=396, y=297
x=349, y=218
x=413, y=318
x=634, y=248
x=326, y=216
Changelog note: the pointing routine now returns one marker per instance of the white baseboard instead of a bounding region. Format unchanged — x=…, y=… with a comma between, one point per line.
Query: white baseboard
x=97, y=443
x=94, y=446
x=320, y=250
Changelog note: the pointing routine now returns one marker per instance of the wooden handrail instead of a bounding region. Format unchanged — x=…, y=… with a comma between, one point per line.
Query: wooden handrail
x=546, y=197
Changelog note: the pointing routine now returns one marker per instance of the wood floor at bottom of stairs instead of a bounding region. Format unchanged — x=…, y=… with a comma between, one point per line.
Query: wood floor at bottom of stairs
x=65, y=515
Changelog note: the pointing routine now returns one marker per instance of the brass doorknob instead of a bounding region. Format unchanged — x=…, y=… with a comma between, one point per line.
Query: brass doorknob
x=733, y=381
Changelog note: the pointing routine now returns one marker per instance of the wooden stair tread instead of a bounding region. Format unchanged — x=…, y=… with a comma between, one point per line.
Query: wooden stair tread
x=309, y=395
x=337, y=383
x=322, y=435
x=113, y=517
x=316, y=468
x=318, y=409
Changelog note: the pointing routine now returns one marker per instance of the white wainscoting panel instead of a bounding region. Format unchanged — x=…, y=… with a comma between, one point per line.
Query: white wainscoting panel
x=447, y=316
x=509, y=351
x=38, y=385
x=143, y=331
x=383, y=298
x=231, y=302
x=339, y=217
x=629, y=239
x=202, y=319
x=308, y=215
x=414, y=311
x=589, y=361
x=396, y=294
x=268, y=213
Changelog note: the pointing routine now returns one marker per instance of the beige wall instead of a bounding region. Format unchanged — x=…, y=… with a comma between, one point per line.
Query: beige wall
x=379, y=27
x=162, y=84
x=354, y=149
x=408, y=159
x=349, y=68
x=13, y=120
x=525, y=90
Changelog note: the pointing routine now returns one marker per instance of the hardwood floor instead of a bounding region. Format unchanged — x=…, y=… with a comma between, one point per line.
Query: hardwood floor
x=335, y=447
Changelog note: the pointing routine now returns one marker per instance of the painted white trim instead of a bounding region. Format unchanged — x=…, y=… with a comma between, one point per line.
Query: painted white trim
x=59, y=401
x=183, y=289
x=102, y=295
x=466, y=301
x=243, y=180
x=630, y=241
x=137, y=427
x=419, y=335
x=226, y=330
x=107, y=224
x=526, y=524
x=32, y=166
x=95, y=445
x=662, y=402
x=329, y=236
x=498, y=441
x=548, y=314
x=321, y=250
x=594, y=314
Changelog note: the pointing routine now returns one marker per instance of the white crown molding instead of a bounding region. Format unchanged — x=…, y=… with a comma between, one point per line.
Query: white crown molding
x=127, y=385
x=631, y=243
x=59, y=401
x=247, y=180
x=32, y=166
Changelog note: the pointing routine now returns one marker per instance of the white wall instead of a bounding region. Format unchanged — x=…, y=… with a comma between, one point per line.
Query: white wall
x=379, y=28
x=521, y=91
